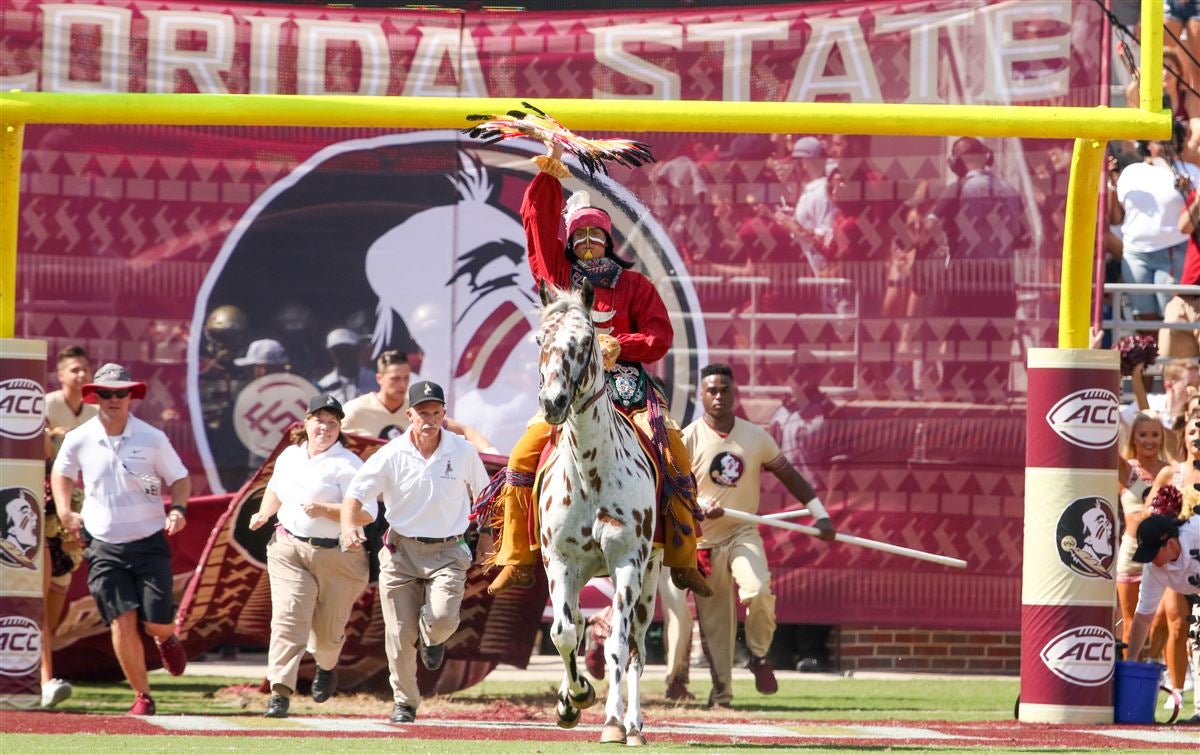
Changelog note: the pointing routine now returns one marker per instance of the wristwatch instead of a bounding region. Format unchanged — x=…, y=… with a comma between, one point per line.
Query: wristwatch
x=177, y=507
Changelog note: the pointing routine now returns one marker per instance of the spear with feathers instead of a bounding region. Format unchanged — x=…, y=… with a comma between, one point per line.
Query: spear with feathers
x=537, y=124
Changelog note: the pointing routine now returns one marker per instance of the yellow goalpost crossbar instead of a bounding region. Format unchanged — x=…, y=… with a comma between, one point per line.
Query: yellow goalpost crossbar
x=1089, y=127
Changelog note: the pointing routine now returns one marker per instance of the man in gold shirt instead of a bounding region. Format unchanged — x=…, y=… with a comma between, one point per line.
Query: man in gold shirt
x=728, y=456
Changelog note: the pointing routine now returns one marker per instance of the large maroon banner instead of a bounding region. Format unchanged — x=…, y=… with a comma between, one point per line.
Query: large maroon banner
x=875, y=295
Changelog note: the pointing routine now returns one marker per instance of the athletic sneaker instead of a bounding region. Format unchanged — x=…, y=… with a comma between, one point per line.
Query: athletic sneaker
x=764, y=675
x=174, y=658
x=54, y=692
x=143, y=705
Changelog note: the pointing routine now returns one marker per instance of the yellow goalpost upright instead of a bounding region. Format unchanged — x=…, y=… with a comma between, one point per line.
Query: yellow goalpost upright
x=1058, y=476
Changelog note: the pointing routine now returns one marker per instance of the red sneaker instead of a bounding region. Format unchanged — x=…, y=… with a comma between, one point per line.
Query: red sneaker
x=143, y=705
x=174, y=659
x=764, y=676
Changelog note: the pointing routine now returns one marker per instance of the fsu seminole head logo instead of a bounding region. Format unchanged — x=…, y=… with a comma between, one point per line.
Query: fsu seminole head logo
x=20, y=528
x=726, y=469
x=416, y=241
x=1086, y=537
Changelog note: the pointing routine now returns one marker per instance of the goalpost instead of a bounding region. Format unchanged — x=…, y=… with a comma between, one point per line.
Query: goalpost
x=1063, y=471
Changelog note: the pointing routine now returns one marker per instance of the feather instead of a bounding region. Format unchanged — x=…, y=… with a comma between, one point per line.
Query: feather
x=592, y=154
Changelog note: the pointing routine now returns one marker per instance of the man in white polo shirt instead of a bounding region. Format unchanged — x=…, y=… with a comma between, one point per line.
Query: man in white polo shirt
x=123, y=463
x=428, y=478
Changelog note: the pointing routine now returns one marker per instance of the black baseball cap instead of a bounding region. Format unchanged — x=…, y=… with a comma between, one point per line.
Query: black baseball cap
x=328, y=403
x=425, y=390
x=1152, y=534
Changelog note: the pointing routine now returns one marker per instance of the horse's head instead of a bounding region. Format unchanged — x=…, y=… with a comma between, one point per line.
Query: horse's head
x=569, y=364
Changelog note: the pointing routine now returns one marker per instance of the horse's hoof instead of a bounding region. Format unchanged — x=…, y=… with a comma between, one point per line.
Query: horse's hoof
x=587, y=698
x=635, y=738
x=568, y=715
x=612, y=733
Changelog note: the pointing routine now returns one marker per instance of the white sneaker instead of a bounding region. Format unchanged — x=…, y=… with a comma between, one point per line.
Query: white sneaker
x=54, y=692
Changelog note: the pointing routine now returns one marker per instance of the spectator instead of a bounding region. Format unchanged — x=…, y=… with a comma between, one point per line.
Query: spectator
x=428, y=479
x=729, y=455
x=1147, y=202
x=347, y=379
x=383, y=413
x=1173, y=342
x=314, y=583
x=122, y=524
x=1168, y=547
x=65, y=411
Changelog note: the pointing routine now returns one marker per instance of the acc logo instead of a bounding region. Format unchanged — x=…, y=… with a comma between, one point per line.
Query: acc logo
x=267, y=406
x=1088, y=418
x=1083, y=656
x=1087, y=537
x=22, y=408
x=20, y=645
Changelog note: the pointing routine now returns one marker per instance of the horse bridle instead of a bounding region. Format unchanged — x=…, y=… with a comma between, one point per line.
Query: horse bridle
x=587, y=364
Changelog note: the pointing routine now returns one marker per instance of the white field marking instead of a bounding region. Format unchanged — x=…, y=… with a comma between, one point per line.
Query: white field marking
x=735, y=731
x=1158, y=736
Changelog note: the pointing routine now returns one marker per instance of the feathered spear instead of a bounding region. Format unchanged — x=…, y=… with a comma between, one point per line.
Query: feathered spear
x=591, y=153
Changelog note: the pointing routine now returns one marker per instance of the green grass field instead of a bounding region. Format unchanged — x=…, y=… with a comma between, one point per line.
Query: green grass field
x=807, y=700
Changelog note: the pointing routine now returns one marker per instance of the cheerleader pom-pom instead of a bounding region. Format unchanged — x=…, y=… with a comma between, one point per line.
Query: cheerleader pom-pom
x=1137, y=350
x=1168, y=502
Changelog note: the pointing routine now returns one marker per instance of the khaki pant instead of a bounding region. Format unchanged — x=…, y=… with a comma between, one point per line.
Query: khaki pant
x=421, y=590
x=677, y=628
x=312, y=593
x=743, y=559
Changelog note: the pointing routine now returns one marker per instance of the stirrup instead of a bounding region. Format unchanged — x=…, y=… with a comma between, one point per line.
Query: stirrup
x=512, y=575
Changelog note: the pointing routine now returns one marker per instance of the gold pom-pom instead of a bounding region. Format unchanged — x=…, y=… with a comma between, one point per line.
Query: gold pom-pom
x=548, y=164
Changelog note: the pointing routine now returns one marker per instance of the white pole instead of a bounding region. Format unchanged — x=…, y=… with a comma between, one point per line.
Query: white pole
x=852, y=539
x=793, y=514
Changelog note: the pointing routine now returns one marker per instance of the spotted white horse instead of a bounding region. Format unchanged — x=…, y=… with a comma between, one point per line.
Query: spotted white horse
x=597, y=514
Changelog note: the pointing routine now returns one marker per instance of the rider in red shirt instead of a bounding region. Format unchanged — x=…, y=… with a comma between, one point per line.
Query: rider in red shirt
x=634, y=329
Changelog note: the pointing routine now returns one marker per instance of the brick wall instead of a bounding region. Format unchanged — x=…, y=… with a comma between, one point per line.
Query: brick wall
x=950, y=652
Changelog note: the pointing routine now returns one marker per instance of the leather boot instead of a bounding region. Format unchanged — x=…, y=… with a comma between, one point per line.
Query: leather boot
x=690, y=579
x=512, y=575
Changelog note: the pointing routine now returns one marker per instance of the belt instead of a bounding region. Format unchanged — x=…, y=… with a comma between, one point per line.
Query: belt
x=428, y=540
x=320, y=542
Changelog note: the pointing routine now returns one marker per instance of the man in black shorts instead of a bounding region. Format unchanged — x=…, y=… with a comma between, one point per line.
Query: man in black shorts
x=123, y=463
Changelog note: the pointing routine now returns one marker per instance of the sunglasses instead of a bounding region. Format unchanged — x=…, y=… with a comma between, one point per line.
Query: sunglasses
x=106, y=394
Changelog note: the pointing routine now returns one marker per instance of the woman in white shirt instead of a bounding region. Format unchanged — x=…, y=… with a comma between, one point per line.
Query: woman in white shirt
x=313, y=582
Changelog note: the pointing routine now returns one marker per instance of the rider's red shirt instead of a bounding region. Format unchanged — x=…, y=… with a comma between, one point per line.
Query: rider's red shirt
x=632, y=311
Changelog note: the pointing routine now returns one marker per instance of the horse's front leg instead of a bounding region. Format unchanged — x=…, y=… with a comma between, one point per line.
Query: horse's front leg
x=575, y=692
x=627, y=578
x=643, y=614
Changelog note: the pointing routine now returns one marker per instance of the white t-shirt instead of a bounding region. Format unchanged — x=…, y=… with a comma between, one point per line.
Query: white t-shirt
x=423, y=497
x=1177, y=575
x=298, y=479
x=1152, y=208
x=123, y=477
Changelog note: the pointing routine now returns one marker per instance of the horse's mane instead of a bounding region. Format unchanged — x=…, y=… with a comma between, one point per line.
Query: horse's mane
x=564, y=301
